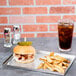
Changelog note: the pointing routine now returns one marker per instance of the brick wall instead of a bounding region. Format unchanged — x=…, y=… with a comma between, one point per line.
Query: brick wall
x=36, y=18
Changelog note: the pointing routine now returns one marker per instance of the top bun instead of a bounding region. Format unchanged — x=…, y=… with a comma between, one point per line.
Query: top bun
x=24, y=49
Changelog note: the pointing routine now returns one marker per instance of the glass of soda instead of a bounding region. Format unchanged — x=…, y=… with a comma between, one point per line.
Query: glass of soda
x=65, y=33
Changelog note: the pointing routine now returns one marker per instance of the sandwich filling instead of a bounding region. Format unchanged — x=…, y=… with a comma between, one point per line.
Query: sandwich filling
x=24, y=56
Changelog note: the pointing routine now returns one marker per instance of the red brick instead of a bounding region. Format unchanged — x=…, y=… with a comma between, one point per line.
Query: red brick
x=48, y=2
x=21, y=19
x=10, y=11
x=21, y=2
x=35, y=10
x=5, y=26
x=72, y=17
x=35, y=28
x=47, y=35
x=47, y=19
x=1, y=35
x=3, y=20
x=53, y=27
x=62, y=9
x=69, y=2
x=2, y=2
x=27, y=35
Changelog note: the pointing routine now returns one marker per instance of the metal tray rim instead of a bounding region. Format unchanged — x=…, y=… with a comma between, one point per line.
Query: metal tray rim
x=40, y=51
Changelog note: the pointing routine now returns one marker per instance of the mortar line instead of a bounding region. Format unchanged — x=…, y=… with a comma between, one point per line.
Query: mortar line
x=48, y=9
x=21, y=28
x=21, y=11
x=39, y=14
x=41, y=32
x=28, y=24
x=38, y=5
x=34, y=2
x=61, y=2
x=8, y=19
x=75, y=9
x=48, y=27
x=7, y=3
x=35, y=19
x=35, y=35
x=62, y=17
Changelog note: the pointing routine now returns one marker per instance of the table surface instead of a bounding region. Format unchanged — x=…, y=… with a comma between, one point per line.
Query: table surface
x=47, y=44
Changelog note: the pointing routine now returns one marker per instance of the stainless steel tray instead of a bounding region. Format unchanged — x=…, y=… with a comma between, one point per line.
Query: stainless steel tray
x=33, y=66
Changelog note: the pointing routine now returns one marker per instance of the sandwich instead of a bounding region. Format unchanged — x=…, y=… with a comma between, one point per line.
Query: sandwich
x=24, y=52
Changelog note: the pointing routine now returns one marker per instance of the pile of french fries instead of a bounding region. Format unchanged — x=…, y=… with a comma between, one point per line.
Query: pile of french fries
x=54, y=63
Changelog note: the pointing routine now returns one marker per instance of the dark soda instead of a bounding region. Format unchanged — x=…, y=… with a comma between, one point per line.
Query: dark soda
x=65, y=32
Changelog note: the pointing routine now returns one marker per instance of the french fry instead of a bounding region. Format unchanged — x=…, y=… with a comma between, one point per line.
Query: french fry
x=54, y=63
x=56, y=58
x=60, y=64
x=52, y=54
x=40, y=66
x=49, y=59
x=62, y=58
x=43, y=59
x=65, y=64
x=44, y=67
x=67, y=61
x=64, y=67
x=49, y=66
x=59, y=69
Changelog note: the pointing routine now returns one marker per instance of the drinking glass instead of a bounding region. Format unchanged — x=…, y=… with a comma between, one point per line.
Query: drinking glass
x=65, y=33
